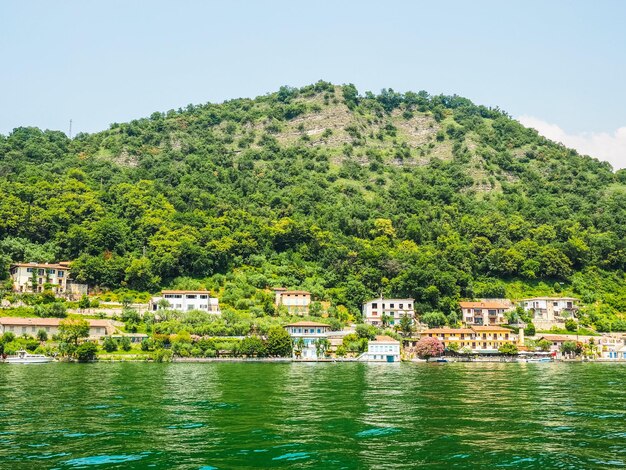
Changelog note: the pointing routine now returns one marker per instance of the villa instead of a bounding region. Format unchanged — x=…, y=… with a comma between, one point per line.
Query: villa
x=185, y=300
x=31, y=326
x=382, y=349
x=550, y=311
x=482, y=339
x=35, y=277
x=305, y=335
x=485, y=312
x=389, y=311
x=296, y=301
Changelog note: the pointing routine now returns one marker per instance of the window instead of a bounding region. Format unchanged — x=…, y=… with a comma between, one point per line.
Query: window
x=52, y=271
x=391, y=306
x=41, y=272
x=375, y=305
x=555, y=304
x=401, y=306
x=191, y=296
x=61, y=273
x=204, y=296
x=29, y=270
x=409, y=306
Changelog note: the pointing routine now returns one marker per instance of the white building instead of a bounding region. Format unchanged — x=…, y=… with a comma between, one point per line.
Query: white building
x=392, y=309
x=35, y=277
x=296, y=301
x=305, y=335
x=31, y=326
x=550, y=311
x=186, y=300
x=382, y=349
x=486, y=312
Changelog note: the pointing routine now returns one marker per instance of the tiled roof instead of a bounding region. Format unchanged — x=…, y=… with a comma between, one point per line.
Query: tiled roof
x=448, y=330
x=385, y=339
x=41, y=265
x=484, y=328
x=308, y=323
x=495, y=305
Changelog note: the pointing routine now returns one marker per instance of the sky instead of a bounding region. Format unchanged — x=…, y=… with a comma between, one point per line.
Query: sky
x=558, y=66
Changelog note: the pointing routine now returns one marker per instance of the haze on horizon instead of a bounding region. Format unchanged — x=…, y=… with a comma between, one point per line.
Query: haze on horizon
x=557, y=66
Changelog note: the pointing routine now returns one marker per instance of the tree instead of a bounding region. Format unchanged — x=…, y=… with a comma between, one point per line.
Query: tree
x=315, y=309
x=86, y=351
x=571, y=325
x=429, y=347
x=453, y=347
x=322, y=345
x=298, y=346
x=434, y=319
x=406, y=325
x=42, y=336
x=84, y=303
x=366, y=331
x=125, y=343
x=530, y=329
x=71, y=330
x=508, y=349
x=252, y=346
x=544, y=345
x=109, y=344
x=569, y=347
x=278, y=342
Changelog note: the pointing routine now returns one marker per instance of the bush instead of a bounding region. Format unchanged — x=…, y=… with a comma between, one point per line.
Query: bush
x=109, y=344
x=571, y=325
x=86, y=351
x=125, y=343
x=162, y=355
x=429, y=347
x=278, y=342
x=530, y=329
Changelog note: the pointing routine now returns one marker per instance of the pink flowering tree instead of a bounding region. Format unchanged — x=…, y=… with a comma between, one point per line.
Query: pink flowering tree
x=429, y=347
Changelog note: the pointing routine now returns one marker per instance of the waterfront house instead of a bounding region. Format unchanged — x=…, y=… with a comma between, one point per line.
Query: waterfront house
x=389, y=311
x=30, y=326
x=305, y=335
x=481, y=339
x=550, y=311
x=612, y=346
x=35, y=277
x=296, y=301
x=186, y=300
x=336, y=337
x=382, y=349
x=486, y=311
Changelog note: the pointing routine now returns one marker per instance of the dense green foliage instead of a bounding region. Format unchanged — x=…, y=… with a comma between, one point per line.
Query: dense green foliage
x=321, y=188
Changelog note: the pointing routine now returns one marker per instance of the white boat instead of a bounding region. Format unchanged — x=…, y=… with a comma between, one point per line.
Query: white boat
x=23, y=357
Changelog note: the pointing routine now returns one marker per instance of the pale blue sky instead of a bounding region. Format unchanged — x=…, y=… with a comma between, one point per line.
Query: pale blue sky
x=557, y=62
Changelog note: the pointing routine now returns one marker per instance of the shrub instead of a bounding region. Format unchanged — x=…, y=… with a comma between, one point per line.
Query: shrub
x=86, y=351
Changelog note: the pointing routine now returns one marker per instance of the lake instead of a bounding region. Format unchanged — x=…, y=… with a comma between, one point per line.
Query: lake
x=282, y=415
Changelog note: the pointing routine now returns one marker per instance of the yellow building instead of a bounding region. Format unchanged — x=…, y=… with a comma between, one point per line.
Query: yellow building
x=485, y=339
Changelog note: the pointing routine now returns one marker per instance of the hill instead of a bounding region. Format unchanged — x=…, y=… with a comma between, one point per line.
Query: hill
x=322, y=188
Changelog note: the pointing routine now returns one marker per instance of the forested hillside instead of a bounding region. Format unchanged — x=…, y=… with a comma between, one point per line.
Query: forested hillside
x=321, y=188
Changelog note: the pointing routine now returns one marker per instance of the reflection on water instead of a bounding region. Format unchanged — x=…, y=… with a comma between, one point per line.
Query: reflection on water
x=344, y=415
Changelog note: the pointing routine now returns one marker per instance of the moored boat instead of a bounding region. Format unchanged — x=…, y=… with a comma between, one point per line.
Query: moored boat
x=23, y=357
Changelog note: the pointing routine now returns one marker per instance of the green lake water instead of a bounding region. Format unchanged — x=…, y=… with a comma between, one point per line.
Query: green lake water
x=350, y=415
